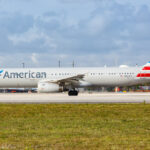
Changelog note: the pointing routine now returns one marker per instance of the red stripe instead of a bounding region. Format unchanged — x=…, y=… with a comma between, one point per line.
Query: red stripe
x=143, y=75
x=146, y=68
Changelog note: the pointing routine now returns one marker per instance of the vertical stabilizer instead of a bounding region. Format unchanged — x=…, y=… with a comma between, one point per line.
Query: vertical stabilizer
x=145, y=72
x=147, y=66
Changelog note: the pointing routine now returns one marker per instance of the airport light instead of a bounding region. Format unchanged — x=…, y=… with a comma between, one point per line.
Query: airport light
x=59, y=63
x=23, y=65
x=73, y=64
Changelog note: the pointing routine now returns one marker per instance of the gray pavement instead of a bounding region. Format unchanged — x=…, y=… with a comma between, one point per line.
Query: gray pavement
x=82, y=98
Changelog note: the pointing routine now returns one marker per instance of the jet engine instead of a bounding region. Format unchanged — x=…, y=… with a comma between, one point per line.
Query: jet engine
x=44, y=87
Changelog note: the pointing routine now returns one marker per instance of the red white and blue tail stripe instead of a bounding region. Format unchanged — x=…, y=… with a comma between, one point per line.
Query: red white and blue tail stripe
x=145, y=73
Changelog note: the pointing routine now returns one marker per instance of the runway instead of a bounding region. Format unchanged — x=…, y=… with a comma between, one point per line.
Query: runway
x=63, y=98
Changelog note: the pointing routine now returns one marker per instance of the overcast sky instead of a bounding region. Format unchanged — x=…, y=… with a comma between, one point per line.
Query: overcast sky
x=90, y=32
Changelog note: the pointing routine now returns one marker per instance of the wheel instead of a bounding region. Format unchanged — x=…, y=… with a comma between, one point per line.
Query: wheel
x=73, y=93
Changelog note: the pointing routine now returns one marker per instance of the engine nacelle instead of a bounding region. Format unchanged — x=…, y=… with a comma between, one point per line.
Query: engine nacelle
x=44, y=87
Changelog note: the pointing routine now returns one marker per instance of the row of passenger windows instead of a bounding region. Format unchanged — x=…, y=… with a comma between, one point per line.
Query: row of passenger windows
x=60, y=74
x=125, y=73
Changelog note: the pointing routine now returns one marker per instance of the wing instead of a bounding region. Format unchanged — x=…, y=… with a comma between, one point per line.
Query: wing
x=71, y=79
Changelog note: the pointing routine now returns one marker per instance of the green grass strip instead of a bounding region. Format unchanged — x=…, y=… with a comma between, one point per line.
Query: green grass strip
x=75, y=126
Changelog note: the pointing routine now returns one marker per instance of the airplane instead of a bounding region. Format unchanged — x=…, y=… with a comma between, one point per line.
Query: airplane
x=49, y=80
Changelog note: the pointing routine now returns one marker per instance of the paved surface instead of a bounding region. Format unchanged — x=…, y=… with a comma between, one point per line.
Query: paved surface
x=82, y=98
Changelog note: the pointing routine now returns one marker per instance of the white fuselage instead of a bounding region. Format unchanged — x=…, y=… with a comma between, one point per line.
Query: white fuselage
x=30, y=77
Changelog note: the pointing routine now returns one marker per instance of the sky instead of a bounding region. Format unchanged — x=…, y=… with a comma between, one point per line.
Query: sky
x=93, y=33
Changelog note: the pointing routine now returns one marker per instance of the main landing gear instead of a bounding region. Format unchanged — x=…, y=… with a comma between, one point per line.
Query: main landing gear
x=73, y=92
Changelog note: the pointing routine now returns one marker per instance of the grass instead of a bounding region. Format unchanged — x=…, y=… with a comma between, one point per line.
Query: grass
x=75, y=127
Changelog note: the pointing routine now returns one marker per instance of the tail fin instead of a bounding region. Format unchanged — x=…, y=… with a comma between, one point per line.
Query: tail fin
x=147, y=66
x=145, y=72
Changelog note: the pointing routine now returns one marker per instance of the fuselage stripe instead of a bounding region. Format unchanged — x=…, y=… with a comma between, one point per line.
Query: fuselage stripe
x=146, y=68
x=143, y=75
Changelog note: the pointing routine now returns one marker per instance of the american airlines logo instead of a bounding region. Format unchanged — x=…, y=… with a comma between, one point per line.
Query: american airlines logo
x=1, y=71
x=29, y=75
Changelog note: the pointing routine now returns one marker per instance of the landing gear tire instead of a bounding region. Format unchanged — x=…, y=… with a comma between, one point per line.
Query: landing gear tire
x=73, y=93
